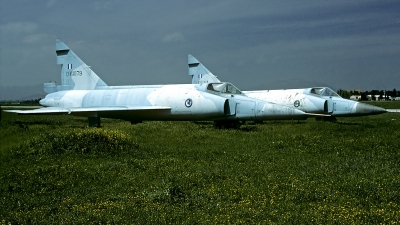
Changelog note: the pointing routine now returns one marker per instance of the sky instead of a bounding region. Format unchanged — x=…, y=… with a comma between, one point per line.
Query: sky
x=253, y=44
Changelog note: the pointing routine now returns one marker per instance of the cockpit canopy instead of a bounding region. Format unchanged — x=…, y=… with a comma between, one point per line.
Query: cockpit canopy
x=323, y=91
x=224, y=88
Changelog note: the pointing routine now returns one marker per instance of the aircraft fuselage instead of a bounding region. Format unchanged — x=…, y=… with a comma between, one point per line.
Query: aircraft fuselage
x=179, y=102
x=184, y=102
x=321, y=100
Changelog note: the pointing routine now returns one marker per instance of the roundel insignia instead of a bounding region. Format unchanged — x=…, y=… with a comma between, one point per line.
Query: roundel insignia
x=188, y=102
x=296, y=103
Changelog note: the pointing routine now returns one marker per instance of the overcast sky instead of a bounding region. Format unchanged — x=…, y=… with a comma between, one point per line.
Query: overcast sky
x=343, y=44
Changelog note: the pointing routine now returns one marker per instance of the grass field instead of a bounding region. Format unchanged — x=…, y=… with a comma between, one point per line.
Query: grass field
x=386, y=104
x=56, y=170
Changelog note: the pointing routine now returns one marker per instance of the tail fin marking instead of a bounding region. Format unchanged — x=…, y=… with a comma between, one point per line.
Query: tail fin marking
x=200, y=74
x=75, y=74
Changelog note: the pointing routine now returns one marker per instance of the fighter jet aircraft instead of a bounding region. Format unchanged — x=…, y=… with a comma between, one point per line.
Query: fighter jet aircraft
x=320, y=102
x=83, y=93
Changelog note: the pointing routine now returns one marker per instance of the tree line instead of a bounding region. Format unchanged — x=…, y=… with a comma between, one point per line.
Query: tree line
x=383, y=94
x=27, y=102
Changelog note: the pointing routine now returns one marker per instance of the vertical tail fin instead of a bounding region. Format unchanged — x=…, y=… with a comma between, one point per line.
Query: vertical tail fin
x=200, y=74
x=75, y=74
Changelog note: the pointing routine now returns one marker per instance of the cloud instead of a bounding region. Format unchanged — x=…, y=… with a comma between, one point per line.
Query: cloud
x=105, y=5
x=34, y=38
x=174, y=37
x=50, y=3
x=332, y=41
x=18, y=27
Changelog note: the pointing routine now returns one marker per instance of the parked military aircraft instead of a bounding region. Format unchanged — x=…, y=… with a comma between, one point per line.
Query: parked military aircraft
x=314, y=101
x=83, y=93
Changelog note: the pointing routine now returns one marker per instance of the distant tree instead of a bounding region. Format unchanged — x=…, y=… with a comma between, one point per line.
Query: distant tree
x=381, y=94
x=374, y=92
x=394, y=93
x=339, y=92
x=344, y=93
x=364, y=96
x=31, y=101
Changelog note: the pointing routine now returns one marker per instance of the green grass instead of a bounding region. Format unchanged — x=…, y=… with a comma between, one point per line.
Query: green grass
x=184, y=172
x=385, y=104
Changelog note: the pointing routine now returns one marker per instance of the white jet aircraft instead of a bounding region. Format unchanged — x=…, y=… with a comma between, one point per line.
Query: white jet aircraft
x=320, y=102
x=83, y=93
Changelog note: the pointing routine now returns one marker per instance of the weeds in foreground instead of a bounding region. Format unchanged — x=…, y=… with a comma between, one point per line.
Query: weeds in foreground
x=183, y=172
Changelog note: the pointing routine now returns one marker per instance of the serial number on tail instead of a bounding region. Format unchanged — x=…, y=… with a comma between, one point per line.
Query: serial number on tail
x=73, y=73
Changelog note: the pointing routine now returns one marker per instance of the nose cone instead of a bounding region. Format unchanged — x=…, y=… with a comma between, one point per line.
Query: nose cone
x=46, y=102
x=366, y=109
x=42, y=102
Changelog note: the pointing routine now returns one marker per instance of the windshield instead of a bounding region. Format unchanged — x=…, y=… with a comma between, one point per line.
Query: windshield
x=323, y=92
x=223, y=88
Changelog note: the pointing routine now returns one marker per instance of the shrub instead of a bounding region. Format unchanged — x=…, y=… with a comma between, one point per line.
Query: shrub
x=83, y=141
